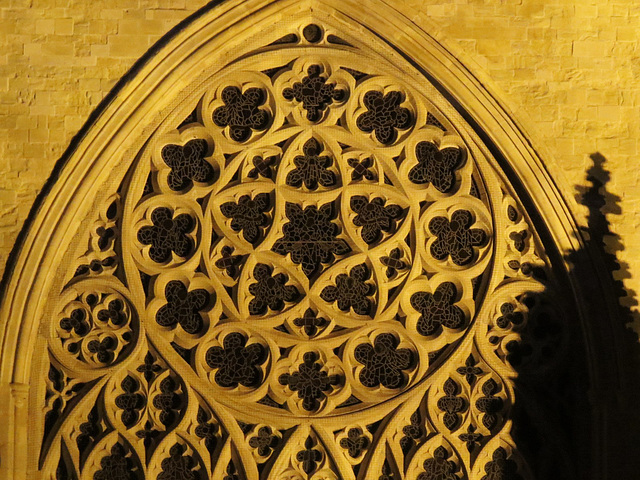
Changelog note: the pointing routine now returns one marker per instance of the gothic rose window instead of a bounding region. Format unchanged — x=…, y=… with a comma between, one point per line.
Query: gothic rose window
x=309, y=266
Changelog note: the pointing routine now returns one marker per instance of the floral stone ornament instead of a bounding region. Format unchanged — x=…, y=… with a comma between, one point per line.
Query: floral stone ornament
x=291, y=282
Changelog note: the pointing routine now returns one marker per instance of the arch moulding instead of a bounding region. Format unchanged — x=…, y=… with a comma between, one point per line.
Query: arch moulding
x=430, y=193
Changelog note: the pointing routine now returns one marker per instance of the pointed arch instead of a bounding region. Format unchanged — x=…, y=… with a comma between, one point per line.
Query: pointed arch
x=196, y=69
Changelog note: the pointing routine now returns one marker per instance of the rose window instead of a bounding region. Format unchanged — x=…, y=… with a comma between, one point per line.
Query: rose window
x=306, y=261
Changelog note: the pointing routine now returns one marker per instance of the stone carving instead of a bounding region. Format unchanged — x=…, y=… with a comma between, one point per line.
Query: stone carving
x=314, y=92
x=306, y=245
x=187, y=164
x=455, y=238
x=384, y=362
x=351, y=291
x=310, y=237
x=501, y=467
x=248, y=215
x=183, y=308
x=385, y=116
x=451, y=404
x=439, y=467
x=310, y=381
x=374, y=217
x=167, y=235
x=436, y=166
x=236, y=363
x=437, y=309
x=241, y=112
x=312, y=169
x=270, y=291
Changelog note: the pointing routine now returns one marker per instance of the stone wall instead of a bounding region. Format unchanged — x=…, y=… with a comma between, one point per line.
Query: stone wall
x=567, y=69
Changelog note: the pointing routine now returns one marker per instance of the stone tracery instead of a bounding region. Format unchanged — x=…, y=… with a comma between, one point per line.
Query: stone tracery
x=302, y=273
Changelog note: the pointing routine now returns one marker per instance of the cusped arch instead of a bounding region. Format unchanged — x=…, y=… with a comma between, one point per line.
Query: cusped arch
x=292, y=217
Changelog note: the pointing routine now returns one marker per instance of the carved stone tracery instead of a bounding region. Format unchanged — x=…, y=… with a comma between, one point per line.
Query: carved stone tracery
x=299, y=273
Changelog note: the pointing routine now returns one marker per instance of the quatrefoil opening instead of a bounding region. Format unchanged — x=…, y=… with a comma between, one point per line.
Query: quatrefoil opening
x=436, y=166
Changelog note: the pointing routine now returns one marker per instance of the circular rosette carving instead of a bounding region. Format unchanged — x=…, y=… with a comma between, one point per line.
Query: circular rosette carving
x=237, y=361
x=310, y=381
x=382, y=362
x=313, y=91
x=167, y=233
x=97, y=325
x=243, y=215
x=436, y=163
x=458, y=236
x=311, y=238
x=240, y=113
x=383, y=110
x=183, y=309
x=439, y=309
x=185, y=162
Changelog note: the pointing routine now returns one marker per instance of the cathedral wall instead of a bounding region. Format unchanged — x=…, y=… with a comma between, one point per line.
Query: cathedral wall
x=567, y=69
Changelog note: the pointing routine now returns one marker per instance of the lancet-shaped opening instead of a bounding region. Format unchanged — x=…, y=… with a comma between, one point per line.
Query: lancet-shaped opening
x=291, y=247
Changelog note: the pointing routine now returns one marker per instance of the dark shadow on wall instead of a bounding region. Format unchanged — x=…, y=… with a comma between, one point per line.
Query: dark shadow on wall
x=577, y=402
x=623, y=390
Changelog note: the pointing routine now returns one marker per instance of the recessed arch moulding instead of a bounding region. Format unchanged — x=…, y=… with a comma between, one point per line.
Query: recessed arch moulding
x=301, y=241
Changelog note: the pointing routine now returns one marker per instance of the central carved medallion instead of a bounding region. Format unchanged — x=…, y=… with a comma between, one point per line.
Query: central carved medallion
x=328, y=220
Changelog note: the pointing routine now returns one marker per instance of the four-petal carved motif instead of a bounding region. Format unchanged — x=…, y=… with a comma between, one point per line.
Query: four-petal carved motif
x=436, y=166
x=167, y=235
x=183, y=307
x=187, y=164
x=438, y=309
